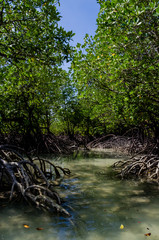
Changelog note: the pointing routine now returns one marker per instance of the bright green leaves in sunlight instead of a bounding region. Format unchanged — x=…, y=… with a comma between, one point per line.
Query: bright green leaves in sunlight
x=117, y=70
x=32, y=50
x=114, y=81
x=29, y=29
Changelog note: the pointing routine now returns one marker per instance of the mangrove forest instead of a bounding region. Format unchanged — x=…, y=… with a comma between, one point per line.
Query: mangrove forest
x=108, y=98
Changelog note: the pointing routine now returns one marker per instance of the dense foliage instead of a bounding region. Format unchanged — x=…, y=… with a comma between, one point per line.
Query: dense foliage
x=32, y=49
x=113, y=81
x=117, y=71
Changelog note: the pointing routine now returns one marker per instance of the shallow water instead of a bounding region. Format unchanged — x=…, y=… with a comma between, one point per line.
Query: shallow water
x=99, y=205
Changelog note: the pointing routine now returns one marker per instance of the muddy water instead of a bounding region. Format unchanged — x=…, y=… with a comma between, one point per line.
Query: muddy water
x=98, y=202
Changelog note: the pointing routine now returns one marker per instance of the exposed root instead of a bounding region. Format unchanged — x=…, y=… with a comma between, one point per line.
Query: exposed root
x=132, y=142
x=41, y=143
x=144, y=151
x=143, y=167
x=115, y=142
x=29, y=180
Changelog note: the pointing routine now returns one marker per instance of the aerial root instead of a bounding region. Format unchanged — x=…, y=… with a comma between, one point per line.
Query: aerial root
x=32, y=181
x=145, y=167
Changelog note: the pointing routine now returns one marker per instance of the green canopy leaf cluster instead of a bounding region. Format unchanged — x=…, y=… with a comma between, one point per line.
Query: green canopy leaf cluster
x=116, y=72
x=33, y=48
x=113, y=82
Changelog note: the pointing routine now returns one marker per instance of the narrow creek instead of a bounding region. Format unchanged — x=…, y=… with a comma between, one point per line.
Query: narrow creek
x=102, y=207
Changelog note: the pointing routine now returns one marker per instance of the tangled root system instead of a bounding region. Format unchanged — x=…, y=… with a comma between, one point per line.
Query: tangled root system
x=30, y=179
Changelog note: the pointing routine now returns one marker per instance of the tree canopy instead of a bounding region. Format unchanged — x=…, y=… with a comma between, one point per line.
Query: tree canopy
x=113, y=82
x=116, y=71
x=33, y=48
x=29, y=31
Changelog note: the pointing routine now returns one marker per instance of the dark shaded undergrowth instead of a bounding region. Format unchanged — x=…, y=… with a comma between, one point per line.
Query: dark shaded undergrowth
x=41, y=143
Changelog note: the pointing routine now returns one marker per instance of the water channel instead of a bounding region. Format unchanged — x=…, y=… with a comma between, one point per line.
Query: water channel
x=102, y=207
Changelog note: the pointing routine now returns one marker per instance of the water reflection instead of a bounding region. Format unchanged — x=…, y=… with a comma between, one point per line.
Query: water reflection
x=99, y=203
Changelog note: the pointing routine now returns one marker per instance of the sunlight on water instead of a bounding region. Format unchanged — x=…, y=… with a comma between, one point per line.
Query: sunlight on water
x=99, y=204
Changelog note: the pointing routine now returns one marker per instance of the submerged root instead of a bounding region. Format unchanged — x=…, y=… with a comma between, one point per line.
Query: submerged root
x=33, y=182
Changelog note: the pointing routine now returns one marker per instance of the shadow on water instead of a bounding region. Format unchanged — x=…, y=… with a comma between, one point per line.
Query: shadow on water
x=98, y=201
x=103, y=202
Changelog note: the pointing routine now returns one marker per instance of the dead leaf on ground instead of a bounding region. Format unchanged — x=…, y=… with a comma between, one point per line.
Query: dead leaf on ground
x=26, y=226
x=40, y=228
x=147, y=234
x=121, y=226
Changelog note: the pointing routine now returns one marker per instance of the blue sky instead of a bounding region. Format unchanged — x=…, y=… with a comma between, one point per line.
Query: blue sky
x=80, y=17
